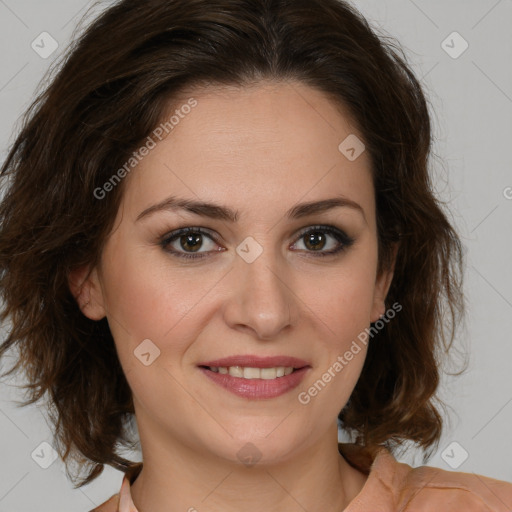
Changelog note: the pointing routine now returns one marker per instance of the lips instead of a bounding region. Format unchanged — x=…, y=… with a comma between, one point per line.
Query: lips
x=287, y=375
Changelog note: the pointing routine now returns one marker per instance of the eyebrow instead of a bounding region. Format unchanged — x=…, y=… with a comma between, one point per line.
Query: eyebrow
x=217, y=211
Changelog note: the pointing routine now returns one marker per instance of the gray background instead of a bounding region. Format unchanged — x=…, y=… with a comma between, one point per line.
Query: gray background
x=471, y=97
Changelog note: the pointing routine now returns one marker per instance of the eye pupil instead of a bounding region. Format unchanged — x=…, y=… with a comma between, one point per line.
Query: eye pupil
x=312, y=239
x=192, y=239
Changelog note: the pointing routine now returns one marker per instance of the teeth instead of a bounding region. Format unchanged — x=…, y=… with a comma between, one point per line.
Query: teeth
x=250, y=373
x=236, y=371
x=246, y=372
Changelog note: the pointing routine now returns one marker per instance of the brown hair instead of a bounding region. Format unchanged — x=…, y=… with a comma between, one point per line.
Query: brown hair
x=108, y=96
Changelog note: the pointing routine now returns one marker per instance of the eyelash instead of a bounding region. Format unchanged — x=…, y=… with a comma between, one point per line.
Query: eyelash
x=345, y=241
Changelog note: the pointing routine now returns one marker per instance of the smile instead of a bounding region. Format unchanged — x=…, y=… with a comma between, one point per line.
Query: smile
x=249, y=373
x=256, y=383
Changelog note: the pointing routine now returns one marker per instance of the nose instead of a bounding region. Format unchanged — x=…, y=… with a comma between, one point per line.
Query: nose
x=262, y=301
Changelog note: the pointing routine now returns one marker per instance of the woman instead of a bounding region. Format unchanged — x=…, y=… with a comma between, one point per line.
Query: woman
x=220, y=221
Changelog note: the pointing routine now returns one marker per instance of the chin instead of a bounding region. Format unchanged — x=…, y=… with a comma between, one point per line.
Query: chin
x=249, y=447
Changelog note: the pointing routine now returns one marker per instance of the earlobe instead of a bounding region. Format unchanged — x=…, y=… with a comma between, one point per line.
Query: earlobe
x=86, y=289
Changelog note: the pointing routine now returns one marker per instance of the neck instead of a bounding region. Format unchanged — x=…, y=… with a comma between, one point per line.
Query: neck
x=181, y=479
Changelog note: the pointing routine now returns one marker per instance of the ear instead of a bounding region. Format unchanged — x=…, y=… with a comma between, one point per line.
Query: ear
x=382, y=284
x=85, y=286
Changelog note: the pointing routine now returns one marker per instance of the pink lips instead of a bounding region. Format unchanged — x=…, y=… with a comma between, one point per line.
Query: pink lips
x=257, y=388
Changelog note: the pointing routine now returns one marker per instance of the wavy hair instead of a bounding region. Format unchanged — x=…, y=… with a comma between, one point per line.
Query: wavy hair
x=109, y=93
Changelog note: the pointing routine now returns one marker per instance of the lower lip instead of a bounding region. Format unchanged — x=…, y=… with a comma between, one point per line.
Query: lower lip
x=257, y=388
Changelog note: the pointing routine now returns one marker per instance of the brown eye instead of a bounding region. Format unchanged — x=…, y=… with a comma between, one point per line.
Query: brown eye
x=315, y=241
x=191, y=241
x=187, y=242
x=317, y=238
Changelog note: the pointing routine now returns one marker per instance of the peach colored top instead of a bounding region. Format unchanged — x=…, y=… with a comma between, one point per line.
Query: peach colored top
x=391, y=486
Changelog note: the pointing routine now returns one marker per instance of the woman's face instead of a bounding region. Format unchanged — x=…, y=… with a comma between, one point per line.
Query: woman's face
x=265, y=285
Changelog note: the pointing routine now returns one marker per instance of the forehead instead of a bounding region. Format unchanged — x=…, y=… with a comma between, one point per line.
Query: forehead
x=267, y=145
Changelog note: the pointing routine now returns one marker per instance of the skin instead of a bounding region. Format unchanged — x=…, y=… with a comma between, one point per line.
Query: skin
x=259, y=150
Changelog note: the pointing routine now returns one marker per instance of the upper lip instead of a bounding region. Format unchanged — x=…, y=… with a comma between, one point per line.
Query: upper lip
x=251, y=361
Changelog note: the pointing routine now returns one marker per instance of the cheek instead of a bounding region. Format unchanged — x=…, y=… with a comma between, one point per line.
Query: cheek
x=145, y=299
x=343, y=298
x=341, y=343
x=342, y=305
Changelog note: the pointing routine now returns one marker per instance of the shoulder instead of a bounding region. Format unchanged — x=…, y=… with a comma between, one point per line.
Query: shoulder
x=426, y=488
x=111, y=505
x=449, y=490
